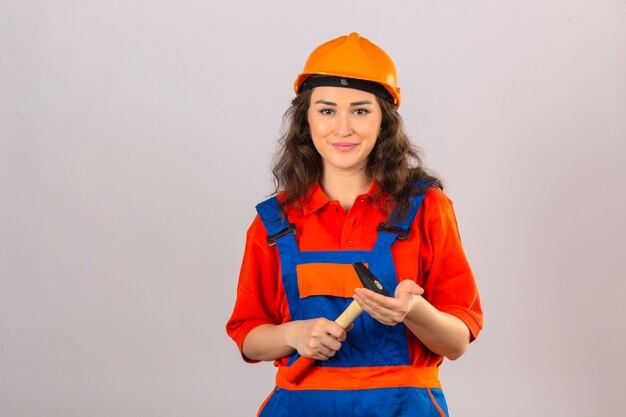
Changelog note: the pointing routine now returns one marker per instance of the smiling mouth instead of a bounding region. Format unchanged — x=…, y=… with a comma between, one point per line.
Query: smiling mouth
x=344, y=146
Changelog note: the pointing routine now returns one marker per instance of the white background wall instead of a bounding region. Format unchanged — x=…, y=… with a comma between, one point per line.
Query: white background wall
x=136, y=138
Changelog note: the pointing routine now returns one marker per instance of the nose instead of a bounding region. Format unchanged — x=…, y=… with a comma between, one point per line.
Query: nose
x=343, y=127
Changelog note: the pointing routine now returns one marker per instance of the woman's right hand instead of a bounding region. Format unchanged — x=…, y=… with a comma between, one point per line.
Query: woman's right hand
x=315, y=338
x=318, y=338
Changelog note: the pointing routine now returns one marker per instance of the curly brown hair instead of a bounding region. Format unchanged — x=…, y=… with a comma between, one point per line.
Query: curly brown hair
x=394, y=163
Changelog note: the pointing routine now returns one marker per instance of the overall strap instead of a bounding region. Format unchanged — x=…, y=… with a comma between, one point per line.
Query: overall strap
x=387, y=234
x=279, y=231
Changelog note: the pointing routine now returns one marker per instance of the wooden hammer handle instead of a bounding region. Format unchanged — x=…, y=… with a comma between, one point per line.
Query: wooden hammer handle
x=300, y=366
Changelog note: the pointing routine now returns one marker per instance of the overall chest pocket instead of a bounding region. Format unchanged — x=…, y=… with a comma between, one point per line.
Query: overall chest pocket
x=336, y=280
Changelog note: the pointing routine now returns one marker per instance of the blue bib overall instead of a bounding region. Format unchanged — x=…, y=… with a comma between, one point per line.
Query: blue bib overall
x=370, y=346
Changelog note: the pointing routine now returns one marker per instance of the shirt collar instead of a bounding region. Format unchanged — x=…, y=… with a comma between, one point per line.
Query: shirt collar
x=317, y=198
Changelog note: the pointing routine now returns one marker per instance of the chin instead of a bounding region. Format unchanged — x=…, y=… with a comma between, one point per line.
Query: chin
x=347, y=166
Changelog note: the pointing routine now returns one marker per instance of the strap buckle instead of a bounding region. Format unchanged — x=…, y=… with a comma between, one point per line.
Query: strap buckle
x=271, y=240
x=401, y=233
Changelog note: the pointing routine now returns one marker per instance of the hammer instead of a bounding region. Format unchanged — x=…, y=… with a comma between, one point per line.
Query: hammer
x=354, y=310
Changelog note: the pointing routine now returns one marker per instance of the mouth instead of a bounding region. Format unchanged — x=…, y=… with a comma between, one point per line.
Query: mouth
x=344, y=146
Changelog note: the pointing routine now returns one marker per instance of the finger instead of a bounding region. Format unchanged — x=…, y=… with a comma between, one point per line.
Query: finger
x=376, y=311
x=365, y=293
x=331, y=343
x=365, y=303
x=336, y=331
x=371, y=297
x=372, y=301
x=386, y=310
x=325, y=353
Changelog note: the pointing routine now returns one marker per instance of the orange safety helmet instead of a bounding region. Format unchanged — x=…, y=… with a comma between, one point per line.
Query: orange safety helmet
x=352, y=57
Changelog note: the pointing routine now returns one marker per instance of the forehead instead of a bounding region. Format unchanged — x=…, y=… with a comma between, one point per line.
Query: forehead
x=341, y=95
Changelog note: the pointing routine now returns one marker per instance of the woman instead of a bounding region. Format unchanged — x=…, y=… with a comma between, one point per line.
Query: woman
x=352, y=189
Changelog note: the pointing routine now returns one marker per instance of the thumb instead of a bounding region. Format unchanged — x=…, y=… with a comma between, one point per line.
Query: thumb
x=410, y=287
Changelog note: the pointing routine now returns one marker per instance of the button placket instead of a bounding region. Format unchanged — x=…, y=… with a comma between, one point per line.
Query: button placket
x=352, y=225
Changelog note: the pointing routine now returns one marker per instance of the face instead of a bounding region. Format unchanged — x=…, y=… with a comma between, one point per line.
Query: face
x=344, y=125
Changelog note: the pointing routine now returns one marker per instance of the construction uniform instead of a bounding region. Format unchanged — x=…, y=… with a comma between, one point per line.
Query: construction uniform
x=299, y=267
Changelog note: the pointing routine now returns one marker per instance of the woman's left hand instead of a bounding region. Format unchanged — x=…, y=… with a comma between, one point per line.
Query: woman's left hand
x=389, y=310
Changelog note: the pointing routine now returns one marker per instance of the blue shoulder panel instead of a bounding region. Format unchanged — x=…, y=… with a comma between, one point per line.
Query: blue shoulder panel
x=271, y=215
x=388, y=234
x=280, y=231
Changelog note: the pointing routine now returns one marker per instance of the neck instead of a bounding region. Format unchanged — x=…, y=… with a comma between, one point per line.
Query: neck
x=345, y=187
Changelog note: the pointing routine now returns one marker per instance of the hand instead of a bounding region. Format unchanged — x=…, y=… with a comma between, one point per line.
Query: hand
x=389, y=310
x=316, y=338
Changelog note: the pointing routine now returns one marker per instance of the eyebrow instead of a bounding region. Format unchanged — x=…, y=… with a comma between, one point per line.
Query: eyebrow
x=356, y=103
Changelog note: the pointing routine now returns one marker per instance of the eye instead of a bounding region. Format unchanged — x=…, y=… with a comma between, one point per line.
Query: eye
x=326, y=112
x=361, y=111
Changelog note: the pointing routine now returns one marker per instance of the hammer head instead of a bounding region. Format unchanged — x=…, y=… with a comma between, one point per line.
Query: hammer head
x=368, y=279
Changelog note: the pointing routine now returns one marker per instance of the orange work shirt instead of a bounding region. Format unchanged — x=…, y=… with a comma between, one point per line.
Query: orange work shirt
x=432, y=256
